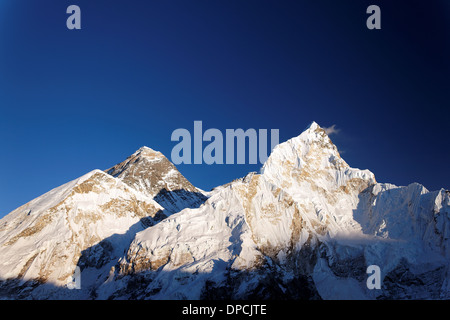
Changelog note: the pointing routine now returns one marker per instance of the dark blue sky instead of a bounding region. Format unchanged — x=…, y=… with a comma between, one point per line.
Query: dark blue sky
x=75, y=100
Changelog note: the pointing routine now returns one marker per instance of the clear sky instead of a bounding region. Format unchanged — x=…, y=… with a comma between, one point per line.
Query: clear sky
x=76, y=100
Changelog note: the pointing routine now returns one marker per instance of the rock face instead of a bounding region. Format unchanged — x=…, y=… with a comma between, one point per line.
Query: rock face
x=306, y=227
x=152, y=174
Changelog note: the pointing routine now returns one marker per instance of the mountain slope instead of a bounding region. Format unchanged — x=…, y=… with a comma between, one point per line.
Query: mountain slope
x=43, y=240
x=89, y=222
x=306, y=227
x=307, y=218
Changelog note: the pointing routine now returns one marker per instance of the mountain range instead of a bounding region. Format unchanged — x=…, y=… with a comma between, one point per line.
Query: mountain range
x=307, y=226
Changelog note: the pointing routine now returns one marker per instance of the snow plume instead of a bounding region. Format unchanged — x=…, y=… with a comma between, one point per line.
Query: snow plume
x=331, y=130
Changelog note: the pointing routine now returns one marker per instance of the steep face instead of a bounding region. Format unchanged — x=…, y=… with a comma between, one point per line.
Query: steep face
x=230, y=238
x=307, y=221
x=310, y=169
x=410, y=213
x=44, y=239
x=309, y=160
x=152, y=174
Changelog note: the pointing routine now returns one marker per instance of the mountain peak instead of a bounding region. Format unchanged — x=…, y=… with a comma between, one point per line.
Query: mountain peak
x=313, y=139
x=315, y=132
x=145, y=148
x=311, y=158
x=149, y=152
x=313, y=126
x=150, y=172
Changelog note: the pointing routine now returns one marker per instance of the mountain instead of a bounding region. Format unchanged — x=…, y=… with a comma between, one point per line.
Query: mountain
x=89, y=222
x=43, y=240
x=152, y=174
x=306, y=227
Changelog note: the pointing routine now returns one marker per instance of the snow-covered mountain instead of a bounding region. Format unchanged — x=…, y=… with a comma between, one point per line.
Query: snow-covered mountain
x=306, y=227
x=152, y=174
x=43, y=240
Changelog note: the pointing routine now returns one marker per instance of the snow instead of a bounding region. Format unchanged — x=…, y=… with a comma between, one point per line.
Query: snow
x=307, y=214
x=57, y=219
